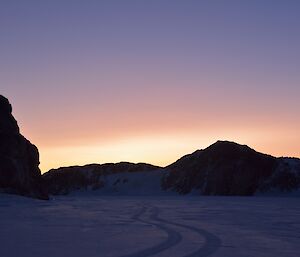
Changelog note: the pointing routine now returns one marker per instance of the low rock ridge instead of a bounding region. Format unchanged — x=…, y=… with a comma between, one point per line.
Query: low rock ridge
x=101, y=176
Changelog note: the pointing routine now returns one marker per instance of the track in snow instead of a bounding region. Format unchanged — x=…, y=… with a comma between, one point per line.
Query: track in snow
x=212, y=242
x=173, y=236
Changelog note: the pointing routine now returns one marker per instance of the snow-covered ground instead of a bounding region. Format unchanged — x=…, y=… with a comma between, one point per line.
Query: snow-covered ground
x=140, y=226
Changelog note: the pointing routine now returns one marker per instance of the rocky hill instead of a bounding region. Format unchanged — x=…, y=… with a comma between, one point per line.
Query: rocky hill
x=19, y=159
x=224, y=168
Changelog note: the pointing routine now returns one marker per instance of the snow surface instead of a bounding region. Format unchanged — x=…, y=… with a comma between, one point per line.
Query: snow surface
x=138, y=226
x=132, y=183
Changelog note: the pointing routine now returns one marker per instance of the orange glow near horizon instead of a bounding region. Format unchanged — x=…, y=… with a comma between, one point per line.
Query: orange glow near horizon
x=158, y=150
x=157, y=132
x=146, y=81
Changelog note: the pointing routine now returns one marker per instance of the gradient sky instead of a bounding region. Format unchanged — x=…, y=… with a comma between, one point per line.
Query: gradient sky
x=148, y=81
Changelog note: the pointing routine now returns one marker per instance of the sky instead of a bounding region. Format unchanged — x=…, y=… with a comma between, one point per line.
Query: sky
x=149, y=81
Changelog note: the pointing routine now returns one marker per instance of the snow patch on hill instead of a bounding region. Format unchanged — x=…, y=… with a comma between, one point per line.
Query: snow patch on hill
x=127, y=183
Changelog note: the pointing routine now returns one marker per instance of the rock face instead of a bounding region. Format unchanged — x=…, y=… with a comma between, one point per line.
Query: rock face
x=224, y=168
x=19, y=159
x=285, y=178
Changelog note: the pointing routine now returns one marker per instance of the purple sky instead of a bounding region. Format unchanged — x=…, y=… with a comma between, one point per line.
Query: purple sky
x=101, y=79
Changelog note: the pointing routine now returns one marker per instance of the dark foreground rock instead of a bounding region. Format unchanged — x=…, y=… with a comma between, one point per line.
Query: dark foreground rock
x=19, y=159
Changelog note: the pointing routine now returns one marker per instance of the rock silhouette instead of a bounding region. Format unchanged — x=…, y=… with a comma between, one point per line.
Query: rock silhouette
x=228, y=168
x=19, y=159
x=224, y=168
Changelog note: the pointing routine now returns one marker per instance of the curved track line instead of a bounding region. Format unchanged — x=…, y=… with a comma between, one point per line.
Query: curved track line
x=212, y=242
x=136, y=216
x=173, y=236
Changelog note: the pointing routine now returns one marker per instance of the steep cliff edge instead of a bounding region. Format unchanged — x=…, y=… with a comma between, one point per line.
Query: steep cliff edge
x=19, y=159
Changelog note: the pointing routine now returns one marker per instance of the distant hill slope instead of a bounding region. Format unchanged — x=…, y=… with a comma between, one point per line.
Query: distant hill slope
x=224, y=168
x=19, y=159
x=120, y=177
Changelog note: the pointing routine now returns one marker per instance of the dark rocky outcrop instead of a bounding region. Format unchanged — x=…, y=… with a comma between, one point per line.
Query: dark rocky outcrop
x=65, y=180
x=19, y=159
x=224, y=168
x=285, y=178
